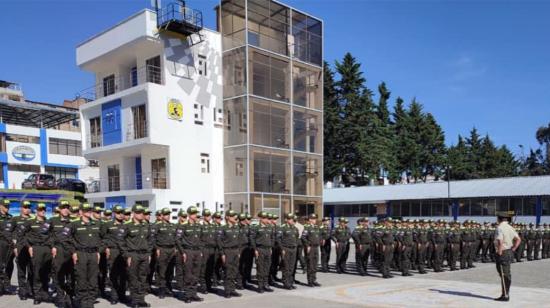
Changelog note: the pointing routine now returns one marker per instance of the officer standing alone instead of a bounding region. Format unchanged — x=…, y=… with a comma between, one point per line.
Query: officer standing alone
x=506, y=242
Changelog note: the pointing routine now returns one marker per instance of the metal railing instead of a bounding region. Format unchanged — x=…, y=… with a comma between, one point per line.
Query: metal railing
x=154, y=180
x=177, y=12
x=94, y=141
x=109, y=86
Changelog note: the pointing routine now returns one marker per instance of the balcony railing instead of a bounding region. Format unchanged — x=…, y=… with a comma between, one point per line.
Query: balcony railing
x=110, y=86
x=155, y=180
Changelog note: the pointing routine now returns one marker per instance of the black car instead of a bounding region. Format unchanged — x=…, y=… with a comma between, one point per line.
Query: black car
x=71, y=185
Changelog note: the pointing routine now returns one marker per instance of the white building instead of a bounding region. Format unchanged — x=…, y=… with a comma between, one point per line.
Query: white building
x=167, y=121
x=155, y=122
x=38, y=138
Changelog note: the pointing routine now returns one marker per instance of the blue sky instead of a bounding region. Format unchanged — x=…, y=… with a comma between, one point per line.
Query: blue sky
x=471, y=63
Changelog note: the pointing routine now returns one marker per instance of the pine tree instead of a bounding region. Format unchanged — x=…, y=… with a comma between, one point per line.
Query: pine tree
x=388, y=159
x=457, y=161
x=401, y=138
x=332, y=127
x=433, y=148
x=350, y=89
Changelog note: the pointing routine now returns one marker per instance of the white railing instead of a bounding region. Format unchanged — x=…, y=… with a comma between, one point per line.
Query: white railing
x=148, y=73
x=156, y=180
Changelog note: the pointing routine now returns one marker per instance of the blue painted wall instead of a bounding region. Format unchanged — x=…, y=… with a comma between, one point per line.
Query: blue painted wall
x=112, y=201
x=111, y=122
x=139, y=184
x=43, y=147
x=5, y=175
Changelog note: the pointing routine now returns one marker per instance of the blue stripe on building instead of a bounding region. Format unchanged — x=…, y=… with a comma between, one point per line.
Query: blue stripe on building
x=43, y=147
x=5, y=175
x=138, y=173
x=111, y=123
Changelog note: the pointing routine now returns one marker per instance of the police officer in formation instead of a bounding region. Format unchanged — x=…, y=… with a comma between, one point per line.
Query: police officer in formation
x=83, y=251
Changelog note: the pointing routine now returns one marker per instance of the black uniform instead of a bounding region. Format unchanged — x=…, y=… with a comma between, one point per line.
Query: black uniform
x=6, y=249
x=23, y=259
x=341, y=235
x=288, y=239
x=229, y=243
x=312, y=237
x=262, y=241
x=190, y=246
x=113, y=238
x=363, y=241
x=209, y=255
x=137, y=247
x=86, y=244
x=37, y=234
x=165, y=244
x=62, y=265
x=326, y=247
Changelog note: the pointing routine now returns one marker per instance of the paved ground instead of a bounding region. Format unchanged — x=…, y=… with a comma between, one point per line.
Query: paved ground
x=467, y=288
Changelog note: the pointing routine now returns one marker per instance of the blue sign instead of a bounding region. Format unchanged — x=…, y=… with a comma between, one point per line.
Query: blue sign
x=23, y=153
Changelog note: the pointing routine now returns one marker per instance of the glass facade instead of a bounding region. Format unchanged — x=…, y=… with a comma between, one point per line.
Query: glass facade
x=469, y=207
x=273, y=100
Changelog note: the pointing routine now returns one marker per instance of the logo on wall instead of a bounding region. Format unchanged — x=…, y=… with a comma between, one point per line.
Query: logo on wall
x=175, y=110
x=23, y=153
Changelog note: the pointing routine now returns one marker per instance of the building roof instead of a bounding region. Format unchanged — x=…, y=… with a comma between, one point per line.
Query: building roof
x=499, y=187
x=36, y=114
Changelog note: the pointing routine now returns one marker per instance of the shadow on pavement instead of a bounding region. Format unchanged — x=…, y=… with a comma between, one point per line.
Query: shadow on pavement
x=467, y=294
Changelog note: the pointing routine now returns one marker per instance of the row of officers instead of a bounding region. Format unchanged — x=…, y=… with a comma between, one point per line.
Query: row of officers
x=421, y=244
x=84, y=250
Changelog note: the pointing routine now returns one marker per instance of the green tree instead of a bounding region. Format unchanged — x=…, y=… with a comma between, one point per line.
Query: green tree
x=332, y=127
x=457, y=161
x=433, y=148
x=385, y=130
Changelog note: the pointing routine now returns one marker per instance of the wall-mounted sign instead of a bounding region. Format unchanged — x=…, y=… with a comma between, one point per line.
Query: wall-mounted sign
x=175, y=110
x=23, y=153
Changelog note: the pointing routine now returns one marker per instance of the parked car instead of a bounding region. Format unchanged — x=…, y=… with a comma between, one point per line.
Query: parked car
x=71, y=185
x=39, y=181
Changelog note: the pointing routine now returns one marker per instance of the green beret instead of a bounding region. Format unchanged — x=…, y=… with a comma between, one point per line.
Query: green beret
x=138, y=208
x=85, y=207
x=231, y=213
x=192, y=210
x=182, y=213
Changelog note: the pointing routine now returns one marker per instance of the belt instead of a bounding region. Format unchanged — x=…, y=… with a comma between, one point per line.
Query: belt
x=138, y=251
x=166, y=246
x=88, y=250
x=191, y=248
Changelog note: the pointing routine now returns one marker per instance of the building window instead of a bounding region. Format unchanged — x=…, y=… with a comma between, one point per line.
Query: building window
x=199, y=114
x=22, y=138
x=202, y=65
x=144, y=203
x=205, y=163
x=158, y=169
x=113, y=177
x=65, y=147
x=139, y=129
x=93, y=163
x=153, y=70
x=217, y=113
x=306, y=32
x=109, y=85
x=270, y=77
x=95, y=132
